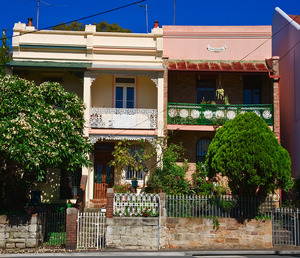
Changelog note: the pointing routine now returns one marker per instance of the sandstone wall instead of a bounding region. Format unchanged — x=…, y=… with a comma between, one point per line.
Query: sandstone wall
x=197, y=233
x=134, y=233
x=20, y=232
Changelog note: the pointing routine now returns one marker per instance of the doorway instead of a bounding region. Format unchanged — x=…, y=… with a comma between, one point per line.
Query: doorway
x=104, y=173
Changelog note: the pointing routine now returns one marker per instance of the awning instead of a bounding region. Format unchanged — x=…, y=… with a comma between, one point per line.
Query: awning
x=75, y=65
x=218, y=66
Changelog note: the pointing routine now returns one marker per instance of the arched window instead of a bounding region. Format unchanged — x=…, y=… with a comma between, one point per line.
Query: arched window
x=202, y=147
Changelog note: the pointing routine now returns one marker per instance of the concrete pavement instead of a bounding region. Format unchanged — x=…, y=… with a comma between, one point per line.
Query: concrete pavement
x=43, y=253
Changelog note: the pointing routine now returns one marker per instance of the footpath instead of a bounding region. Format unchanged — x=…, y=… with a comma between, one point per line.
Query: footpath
x=199, y=253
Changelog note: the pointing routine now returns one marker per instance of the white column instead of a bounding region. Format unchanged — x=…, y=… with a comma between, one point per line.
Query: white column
x=160, y=105
x=87, y=102
x=87, y=82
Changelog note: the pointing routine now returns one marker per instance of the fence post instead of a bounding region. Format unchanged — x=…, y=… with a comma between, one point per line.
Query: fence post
x=71, y=228
x=162, y=220
x=110, y=203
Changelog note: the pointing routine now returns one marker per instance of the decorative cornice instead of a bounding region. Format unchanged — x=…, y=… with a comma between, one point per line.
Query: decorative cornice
x=216, y=49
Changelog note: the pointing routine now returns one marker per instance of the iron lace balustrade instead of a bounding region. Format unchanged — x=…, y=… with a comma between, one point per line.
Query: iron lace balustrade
x=214, y=114
x=124, y=118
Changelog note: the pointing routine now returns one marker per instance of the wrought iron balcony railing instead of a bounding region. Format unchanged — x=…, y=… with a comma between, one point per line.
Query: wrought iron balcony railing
x=214, y=114
x=123, y=118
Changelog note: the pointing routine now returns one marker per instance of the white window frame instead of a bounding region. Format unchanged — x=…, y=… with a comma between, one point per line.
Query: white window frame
x=125, y=86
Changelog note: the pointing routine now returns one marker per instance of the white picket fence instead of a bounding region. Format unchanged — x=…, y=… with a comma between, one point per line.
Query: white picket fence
x=91, y=230
x=136, y=205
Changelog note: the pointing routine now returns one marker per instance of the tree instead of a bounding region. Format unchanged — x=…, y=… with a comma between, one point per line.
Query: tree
x=5, y=53
x=103, y=26
x=170, y=178
x=247, y=152
x=126, y=154
x=41, y=127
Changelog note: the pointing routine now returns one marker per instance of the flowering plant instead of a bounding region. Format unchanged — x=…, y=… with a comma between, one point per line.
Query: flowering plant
x=138, y=212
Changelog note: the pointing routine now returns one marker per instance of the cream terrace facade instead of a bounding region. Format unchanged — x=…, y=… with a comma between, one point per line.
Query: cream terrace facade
x=120, y=78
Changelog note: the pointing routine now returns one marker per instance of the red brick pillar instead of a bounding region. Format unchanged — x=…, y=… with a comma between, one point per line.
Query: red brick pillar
x=110, y=203
x=71, y=228
x=276, y=97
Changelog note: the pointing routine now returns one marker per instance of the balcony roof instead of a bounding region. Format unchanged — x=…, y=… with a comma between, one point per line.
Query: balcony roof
x=218, y=66
x=49, y=64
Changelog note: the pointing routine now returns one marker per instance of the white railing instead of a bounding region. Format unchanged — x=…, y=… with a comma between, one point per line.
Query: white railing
x=286, y=227
x=136, y=205
x=91, y=230
x=127, y=118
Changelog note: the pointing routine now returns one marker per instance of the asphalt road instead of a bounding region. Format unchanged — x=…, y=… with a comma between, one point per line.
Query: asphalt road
x=147, y=256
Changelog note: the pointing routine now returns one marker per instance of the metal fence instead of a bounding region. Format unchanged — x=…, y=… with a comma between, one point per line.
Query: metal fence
x=91, y=230
x=136, y=205
x=285, y=227
x=53, y=228
x=219, y=206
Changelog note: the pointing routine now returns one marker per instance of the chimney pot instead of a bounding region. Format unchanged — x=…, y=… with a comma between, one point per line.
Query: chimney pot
x=29, y=23
x=156, y=24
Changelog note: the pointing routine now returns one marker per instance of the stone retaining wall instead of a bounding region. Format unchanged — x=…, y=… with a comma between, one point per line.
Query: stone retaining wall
x=20, y=232
x=134, y=233
x=191, y=233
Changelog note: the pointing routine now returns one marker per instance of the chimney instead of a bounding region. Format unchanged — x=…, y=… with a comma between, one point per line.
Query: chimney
x=29, y=23
x=156, y=24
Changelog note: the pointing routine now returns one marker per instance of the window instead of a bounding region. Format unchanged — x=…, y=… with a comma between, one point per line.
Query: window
x=131, y=172
x=202, y=148
x=125, y=93
x=252, y=89
x=206, y=90
x=69, y=184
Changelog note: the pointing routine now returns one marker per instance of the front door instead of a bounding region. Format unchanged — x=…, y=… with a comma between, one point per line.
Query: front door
x=104, y=173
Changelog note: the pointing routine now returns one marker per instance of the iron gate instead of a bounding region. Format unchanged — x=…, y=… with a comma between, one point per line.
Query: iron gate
x=91, y=230
x=285, y=227
x=53, y=228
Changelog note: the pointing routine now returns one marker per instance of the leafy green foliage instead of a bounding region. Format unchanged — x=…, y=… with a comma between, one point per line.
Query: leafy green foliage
x=199, y=181
x=247, y=152
x=103, y=26
x=134, y=155
x=5, y=54
x=41, y=127
x=170, y=179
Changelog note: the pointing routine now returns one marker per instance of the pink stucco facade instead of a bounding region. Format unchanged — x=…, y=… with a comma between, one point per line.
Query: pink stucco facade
x=201, y=42
x=286, y=36
x=201, y=59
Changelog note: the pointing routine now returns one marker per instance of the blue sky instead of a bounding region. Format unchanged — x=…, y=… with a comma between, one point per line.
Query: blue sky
x=188, y=12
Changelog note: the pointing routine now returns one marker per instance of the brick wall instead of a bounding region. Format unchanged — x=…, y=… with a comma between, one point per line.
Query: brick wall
x=189, y=141
x=182, y=87
x=71, y=228
x=191, y=233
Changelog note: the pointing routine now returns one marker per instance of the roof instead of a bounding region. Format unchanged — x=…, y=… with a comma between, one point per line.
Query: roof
x=223, y=66
x=49, y=64
x=296, y=18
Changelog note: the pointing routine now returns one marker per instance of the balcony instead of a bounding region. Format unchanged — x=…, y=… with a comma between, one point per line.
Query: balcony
x=123, y=118
x=213, y=114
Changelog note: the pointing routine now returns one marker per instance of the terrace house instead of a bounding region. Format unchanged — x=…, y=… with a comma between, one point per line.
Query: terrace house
x=120, y=78
x=213, y=73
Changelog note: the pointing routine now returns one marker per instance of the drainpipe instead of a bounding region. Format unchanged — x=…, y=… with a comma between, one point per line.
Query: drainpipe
x=158, y=225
